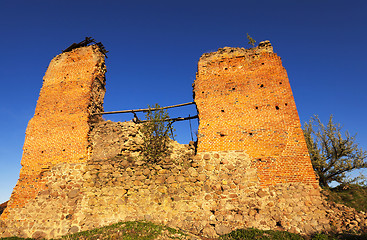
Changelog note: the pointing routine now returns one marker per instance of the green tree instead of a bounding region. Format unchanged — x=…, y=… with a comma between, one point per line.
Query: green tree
x=251, y=41
x=332, y=153
x=156, y=134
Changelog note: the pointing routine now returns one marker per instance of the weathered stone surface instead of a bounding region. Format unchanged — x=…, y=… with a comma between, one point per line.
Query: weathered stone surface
x=210, y=231
x=222, y=229
x=74, y=229
x=73, y=193
x=261, y=193
x=39, y=235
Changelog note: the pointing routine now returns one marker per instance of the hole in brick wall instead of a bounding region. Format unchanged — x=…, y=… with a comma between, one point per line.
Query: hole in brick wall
x=202, y=92
x=222, y=110
x=81, y=86
x=63, y=150
x=262, y=63
x=212, y=211
x=222, y=134
x=42, y=151
x=262, y=85
x=60, y=110
x=225, y=68
x=257, y=107
x=72, y=127
x=250, y=134
x=280, y=82
x=233, y=89
x=276, y=107
x=286, y=104
x=278, y=224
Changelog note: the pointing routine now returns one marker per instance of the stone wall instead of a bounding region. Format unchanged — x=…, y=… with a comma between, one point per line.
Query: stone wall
x=245, y=103
x=208, y=193
x=80, y=172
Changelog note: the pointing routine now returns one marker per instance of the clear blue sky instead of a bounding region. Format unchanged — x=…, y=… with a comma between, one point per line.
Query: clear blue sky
x=154, y=48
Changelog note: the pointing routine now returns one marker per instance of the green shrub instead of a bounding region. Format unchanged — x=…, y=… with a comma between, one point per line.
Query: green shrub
x=156, y=131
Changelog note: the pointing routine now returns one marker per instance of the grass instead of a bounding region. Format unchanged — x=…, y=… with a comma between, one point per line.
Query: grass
x=352, y=195
x=242, y=234
x=260, y=234
x=127, y=230
x=139, y=230
x=133, y=230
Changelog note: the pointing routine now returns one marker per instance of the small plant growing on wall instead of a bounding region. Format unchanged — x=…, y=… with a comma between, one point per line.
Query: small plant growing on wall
x=156, y=134
x=251, y=41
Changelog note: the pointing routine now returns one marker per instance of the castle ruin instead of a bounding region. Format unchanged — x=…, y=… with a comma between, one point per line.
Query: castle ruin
x=251, y=168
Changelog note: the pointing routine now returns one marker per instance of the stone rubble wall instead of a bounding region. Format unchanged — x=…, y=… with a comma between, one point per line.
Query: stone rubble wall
x=54, y=211
x=209, y=193
x=80, y=172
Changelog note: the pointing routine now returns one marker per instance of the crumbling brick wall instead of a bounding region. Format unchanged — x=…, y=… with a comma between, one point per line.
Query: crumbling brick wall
x=245, y=103
x=73, y=88
x=251, y=170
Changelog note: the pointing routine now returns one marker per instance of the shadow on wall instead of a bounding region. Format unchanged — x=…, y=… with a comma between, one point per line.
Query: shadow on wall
x=3, y=206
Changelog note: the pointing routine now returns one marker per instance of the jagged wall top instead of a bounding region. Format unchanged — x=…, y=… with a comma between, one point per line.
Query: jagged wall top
x=230, y=52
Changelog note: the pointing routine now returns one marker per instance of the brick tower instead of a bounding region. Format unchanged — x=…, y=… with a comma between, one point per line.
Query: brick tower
x=73, y=88
x=245, y=103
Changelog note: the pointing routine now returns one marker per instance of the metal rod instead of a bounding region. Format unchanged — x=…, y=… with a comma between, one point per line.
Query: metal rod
x=192, y=139
x=143, y=110
x=171, y=119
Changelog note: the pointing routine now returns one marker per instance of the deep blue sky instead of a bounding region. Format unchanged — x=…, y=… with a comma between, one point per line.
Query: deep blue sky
x=154, y=48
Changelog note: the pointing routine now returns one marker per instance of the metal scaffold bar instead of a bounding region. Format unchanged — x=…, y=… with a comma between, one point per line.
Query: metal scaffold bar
x=144, y=110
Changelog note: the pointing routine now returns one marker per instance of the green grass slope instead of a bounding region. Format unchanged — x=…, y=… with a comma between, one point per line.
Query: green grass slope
x=351, y=195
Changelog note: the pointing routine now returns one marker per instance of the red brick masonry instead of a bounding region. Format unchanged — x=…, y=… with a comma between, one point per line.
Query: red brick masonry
x=58, y=132
x=245, y=103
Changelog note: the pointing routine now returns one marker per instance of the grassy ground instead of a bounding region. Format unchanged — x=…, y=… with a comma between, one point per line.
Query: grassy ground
x=281, y=235
x=128, y=230
x=134, y=230
x=352, y=195
x=149, y=231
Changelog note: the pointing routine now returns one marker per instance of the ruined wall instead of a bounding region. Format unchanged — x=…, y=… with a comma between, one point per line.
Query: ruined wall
x=251, y=169
x=73, y=88
x=245, y=103
x=207, y=194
